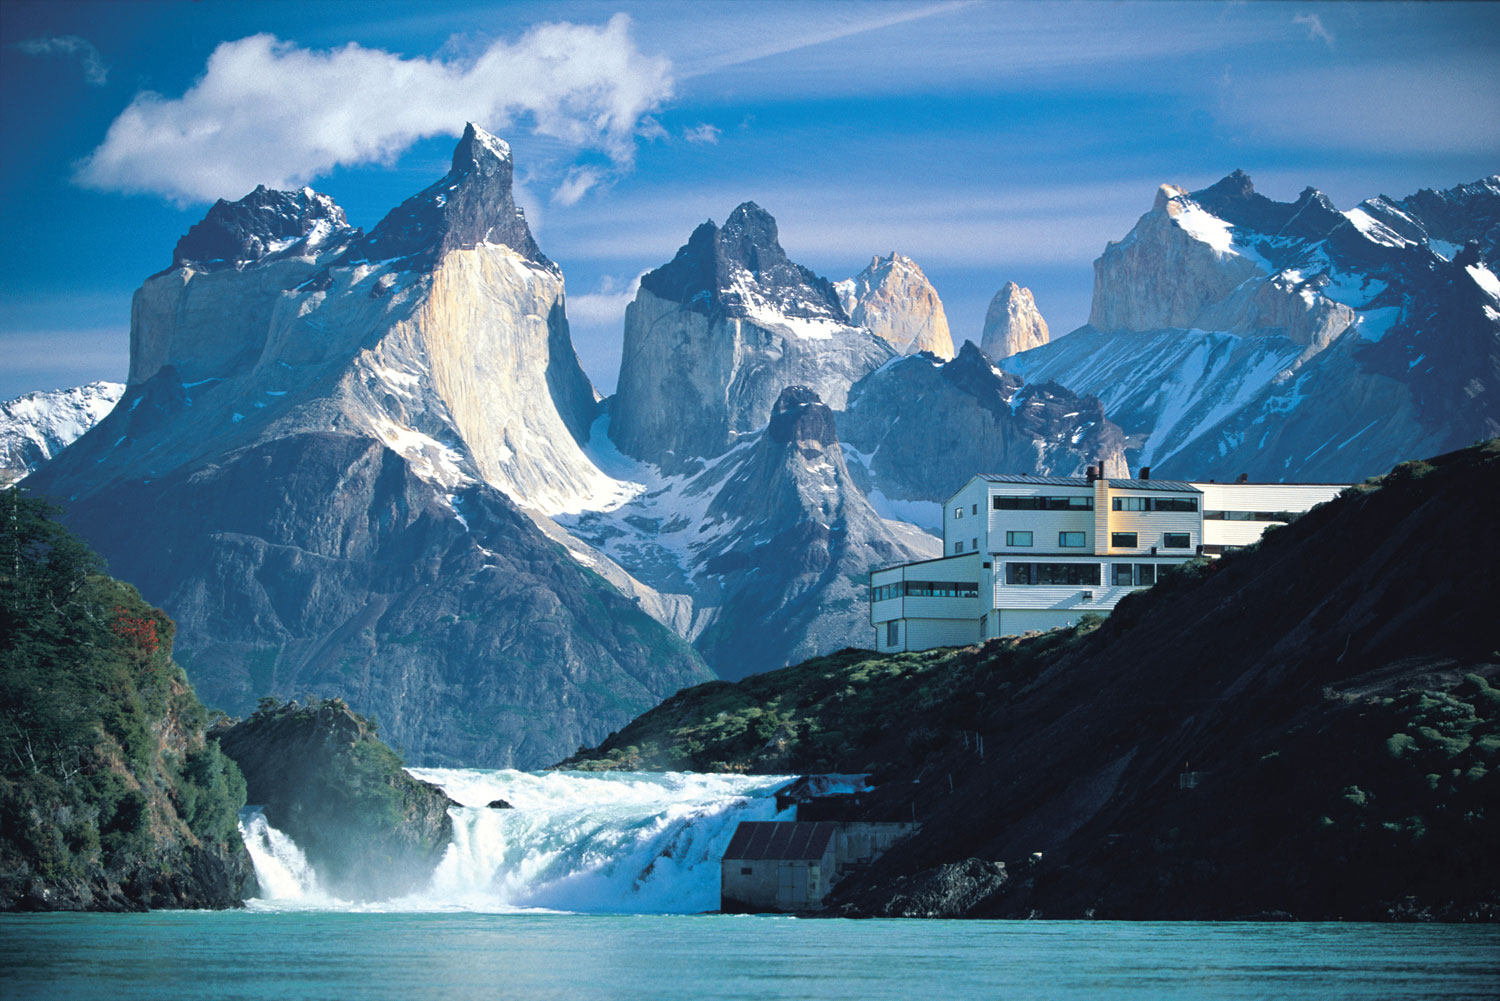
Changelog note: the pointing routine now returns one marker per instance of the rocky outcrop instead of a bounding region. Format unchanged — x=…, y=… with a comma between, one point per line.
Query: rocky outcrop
x=893, y=299
x=950, y=890
x=326, y=780
x=921, y=429
x=110, y=798
x=263, y=223
x=1012, y=323
x=35, y=427
x=318, y=469
x=1225, y=320
x=715, y=335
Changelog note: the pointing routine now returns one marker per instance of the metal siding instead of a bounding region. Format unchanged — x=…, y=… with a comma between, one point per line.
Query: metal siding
x=925, y=634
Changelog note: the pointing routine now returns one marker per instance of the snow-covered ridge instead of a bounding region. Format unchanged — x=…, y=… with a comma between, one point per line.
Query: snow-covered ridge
x=35, y=427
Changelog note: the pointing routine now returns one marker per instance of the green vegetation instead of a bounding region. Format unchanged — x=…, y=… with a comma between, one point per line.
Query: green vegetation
x=102, y=756
x=829, y=714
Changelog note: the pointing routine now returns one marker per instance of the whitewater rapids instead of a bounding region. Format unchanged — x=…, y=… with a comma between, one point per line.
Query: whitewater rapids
x=602, y=842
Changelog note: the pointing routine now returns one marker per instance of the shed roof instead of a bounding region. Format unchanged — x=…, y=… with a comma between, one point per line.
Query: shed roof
x=759, y=840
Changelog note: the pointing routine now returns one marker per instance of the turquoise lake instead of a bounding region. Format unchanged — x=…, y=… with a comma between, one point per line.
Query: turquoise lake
x=520, y=957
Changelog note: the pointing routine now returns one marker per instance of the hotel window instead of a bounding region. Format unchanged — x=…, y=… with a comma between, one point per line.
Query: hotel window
x=1145, y=574
x=975, y=508
x=1155, y=503
x=973, y=545
x=1123, y=540
x=958, y=512
x=958, y=547
x=1016, y=538
x=1124, y=575
x=1176, y=540
x=1052, y=573
x=1007, y=503
x=893, y=629
x=1070, y=540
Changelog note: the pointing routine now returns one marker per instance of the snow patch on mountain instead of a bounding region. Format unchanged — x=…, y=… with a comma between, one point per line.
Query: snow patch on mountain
x=36, y=426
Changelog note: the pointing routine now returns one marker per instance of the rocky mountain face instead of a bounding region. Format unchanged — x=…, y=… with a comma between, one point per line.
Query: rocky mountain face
x=1012, y=323
x=1231, y=333
x=715, y=335
x=317, y=466
x=918, y=429
x=893, y=299
x=773, y=540
x=35, y=427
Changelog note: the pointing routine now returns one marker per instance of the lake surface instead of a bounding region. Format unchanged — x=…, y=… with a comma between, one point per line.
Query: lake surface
x=269, y=955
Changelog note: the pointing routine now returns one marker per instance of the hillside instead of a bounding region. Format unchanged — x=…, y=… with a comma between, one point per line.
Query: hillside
x=110, y=798
x=1329, y=696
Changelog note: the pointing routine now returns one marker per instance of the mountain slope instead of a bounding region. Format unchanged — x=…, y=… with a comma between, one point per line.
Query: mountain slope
x=918, y=430
x=1290, y=341
x=1329, y=699
x=35, y=427
x=317, y=464
x=773, y=540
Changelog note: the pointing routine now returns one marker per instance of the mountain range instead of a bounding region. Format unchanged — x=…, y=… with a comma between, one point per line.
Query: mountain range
x=369, y=465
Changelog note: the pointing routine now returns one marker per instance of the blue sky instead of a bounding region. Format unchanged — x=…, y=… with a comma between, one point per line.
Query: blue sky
x=989, y=141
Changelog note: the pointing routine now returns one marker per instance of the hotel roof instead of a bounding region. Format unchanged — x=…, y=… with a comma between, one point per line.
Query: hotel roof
x=1019, y=479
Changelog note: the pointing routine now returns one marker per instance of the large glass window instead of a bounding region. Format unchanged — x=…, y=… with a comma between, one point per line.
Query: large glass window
x=1052, y=573
x=1123, y=540
x=1281, y=516
x=893, y=632
x=1124, y=575
x=941, y=589
x=1154, y=503
x=1145, y=574
x=1018, y=538
x=1079, y=503
x=1070, y=540
x=1176, y=540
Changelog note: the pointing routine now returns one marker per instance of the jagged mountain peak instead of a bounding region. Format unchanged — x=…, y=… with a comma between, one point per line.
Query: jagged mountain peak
x=895, y=301
x=800, y=416
x=264, y=222
x=1012, y=323
x=473, y=204
x=741, y=270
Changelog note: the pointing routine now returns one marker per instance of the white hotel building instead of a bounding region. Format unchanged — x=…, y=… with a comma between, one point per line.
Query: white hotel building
x=1037, y=552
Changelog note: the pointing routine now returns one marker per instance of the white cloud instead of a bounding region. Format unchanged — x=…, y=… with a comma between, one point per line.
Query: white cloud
x=576, y=184
x=1315, y=29
x=704, y=134
x=267, y=111
x=605, y=306
x=94, y=70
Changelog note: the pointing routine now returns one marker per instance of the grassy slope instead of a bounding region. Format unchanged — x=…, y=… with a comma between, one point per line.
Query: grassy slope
x=1332, y=685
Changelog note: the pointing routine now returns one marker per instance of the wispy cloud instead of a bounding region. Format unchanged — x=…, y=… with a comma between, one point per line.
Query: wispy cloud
x=267, y=111
x=578, y=182
x=605, y=306
x=1315, y=29
x=704, y=134
x=94, y=70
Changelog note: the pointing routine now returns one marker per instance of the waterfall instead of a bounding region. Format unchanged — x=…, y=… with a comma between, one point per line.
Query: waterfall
x=605, y=842
x=284, y=874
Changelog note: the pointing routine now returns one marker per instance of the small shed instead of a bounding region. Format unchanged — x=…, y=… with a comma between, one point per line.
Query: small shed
x=777, y=866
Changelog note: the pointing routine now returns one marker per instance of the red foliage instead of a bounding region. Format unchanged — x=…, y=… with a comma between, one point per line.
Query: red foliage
x=140, y=630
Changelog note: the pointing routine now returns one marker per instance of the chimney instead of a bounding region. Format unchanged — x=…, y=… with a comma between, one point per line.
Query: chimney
x=1243, y=478
x=1091, y=474
x=1145, y=472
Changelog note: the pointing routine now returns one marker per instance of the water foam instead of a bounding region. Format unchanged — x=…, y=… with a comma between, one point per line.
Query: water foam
x=614, y=842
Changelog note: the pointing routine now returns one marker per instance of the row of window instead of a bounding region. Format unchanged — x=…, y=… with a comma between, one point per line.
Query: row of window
x=1117, y=540
x=1155, y=503
x=1248, y=516
x=925, y=589
x=1074, y=574
x=1052, y=573
x=1080, y=503
x=1169, y=540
